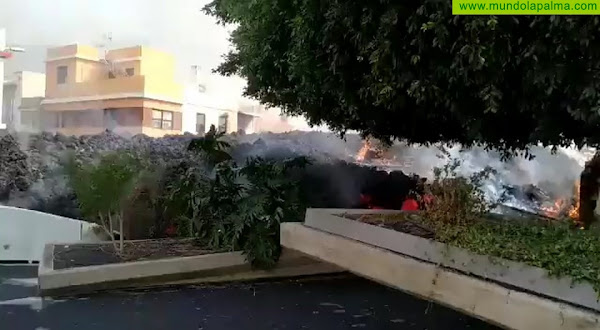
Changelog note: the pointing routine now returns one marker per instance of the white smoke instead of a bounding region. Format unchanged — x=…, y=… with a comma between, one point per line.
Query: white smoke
x=554, y=173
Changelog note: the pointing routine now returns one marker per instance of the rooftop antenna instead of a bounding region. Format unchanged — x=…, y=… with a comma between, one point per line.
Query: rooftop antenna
x=110, y=66
x=106, y=40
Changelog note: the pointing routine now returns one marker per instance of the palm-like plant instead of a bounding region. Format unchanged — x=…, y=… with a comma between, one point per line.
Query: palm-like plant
x=212, y=147
x=237, y=207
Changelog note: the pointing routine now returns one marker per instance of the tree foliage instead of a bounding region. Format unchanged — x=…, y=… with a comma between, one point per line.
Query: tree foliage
x=413, y=71
x=233, y=207
x=104, y=187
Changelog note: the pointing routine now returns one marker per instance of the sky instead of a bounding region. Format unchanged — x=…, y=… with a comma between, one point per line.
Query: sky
x=176, y=26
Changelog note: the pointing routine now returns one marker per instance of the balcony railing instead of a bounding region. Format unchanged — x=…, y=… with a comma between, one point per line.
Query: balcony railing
x=133, y=86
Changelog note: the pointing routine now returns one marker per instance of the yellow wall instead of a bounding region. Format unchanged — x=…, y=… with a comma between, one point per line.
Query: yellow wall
x=112, y=104
x=156, y=87
x=135, y=65
x=87, y=52
x=52, y=87
x=129, y=52
x=154, y=73
x=126, y=58
x=89, y=87
x=121, y=85
x=88, y=70
x=158, y=64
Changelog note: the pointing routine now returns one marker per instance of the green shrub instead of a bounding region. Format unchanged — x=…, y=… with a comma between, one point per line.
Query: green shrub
x=103, y=188
x=236, y=207
x=143, y=210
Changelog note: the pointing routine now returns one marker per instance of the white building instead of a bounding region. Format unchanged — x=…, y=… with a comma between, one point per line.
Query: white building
x=211, y=99
x=7, y=101
x=23, y=92
x=2, y=47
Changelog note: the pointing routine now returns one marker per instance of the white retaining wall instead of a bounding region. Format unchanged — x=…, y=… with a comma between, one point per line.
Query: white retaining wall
x=24, y=233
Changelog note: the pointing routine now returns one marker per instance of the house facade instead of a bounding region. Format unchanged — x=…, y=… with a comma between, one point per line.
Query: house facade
x=23, y=93
x=214, y=100
x=129, y=90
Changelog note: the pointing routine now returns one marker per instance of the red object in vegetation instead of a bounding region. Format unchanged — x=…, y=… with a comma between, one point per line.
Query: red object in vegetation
x=428, y=198
x=171, y=230
x=410, y=204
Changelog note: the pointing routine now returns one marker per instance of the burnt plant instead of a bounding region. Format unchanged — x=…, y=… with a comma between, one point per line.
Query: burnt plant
x=456, y=199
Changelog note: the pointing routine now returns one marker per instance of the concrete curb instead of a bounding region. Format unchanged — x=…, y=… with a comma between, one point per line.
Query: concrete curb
x=491, y=302
x=209, y=268
x=509, y=273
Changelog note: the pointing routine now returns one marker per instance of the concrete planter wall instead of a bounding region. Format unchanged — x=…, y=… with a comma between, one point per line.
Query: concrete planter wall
x=208, y=268
x=505, y=272
x=24, y=233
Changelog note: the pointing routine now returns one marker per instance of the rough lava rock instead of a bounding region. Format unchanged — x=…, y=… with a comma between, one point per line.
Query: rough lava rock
x=31, y=165
x=15, y=172
x=31, y=171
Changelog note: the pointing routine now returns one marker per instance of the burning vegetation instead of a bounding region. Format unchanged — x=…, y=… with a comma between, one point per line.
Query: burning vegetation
x=395, y=190
x=566, y=207
x=368, y=152
x=387, y=189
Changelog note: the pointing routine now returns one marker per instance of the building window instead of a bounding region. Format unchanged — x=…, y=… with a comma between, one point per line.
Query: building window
x=200, y=123
x=111, y=75
x=162, y=119
x=223, y=123
x=130, y=72
x=125, y=117
x=61, y=74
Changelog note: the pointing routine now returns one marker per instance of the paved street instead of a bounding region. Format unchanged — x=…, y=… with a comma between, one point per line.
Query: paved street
x=332, y=303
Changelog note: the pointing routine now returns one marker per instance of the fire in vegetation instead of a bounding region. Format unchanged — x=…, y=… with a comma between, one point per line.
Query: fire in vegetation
x=368, y=152
x=408, y=193
x=564, y=207
x=392, y=190
x=574, y=211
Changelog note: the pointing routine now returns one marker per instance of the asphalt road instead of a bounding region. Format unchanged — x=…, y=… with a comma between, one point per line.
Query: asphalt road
x=324, y=303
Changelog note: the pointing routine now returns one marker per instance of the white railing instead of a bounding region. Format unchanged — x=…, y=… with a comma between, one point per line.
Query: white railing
x=24, y=233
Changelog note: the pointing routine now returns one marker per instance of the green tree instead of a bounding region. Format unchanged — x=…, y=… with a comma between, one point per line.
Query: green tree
x=103, y=188
x=411, y=70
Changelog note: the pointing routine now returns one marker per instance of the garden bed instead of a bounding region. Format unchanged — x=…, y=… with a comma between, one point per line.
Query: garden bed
x=82, y=255
x=547, y=260
x=87, y=268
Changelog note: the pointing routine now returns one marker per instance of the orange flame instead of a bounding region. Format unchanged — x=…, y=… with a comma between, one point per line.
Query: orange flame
x=362, y=153
x=574, y=211
x=554, y=210
x=564, y=206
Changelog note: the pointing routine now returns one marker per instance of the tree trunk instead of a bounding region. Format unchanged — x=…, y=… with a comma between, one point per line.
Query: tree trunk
x=109, y=229
x=588, y=191
x=121, y=234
